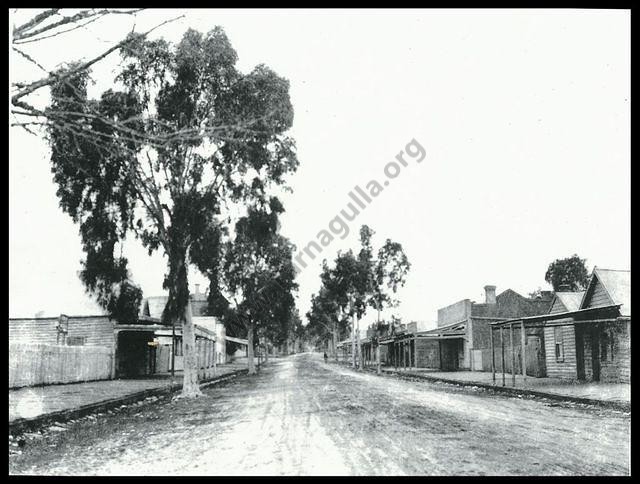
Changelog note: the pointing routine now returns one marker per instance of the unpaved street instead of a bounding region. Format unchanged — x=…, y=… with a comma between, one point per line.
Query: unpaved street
x=300, y=416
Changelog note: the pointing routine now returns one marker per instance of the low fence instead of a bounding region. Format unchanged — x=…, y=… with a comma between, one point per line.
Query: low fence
x=43, y=364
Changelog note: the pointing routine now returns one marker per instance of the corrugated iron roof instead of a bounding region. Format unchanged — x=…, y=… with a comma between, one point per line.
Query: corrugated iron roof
x=553, y=317
x=455, y=329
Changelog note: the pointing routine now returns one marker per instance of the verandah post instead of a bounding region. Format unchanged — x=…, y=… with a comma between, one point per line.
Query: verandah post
x=513, y=356
x=523, y=342
x=493, y=361
x=415, y=354
x=404, y=355
x=395, y=355
x=502, y=346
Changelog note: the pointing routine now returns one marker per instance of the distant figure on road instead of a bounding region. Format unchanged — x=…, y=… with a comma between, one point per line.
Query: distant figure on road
x=325, y=357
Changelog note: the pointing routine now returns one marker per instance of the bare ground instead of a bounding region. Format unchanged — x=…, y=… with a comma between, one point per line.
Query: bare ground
x=300, y=416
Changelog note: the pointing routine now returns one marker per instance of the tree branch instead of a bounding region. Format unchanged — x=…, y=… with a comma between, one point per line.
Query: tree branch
x=56, y=78
x=38, y=19
x=85, y=14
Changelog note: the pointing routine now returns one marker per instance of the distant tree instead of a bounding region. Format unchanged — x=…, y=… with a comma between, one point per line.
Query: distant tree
x=385, y=275
x=298, y=334
x=571, y=272
x=328, y=317
x=536, y=293
x=256, y=278
x=355, y=283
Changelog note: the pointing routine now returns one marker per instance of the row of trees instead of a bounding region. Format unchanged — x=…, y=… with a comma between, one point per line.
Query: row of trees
x=351, y=286
x=181, y=144
x=251, y=278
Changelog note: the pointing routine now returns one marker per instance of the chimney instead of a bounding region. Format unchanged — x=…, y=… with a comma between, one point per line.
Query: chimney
x=490, y=294
x=197, y=289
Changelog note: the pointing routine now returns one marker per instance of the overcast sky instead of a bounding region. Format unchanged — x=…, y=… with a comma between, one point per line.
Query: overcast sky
x=524, y=117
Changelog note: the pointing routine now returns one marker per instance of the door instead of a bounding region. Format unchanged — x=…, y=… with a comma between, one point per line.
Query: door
x=449, y=355
x=535, y=357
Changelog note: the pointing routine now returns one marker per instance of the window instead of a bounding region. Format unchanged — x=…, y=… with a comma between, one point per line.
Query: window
x=76, y=340
x=559, y=344
x=178, y=346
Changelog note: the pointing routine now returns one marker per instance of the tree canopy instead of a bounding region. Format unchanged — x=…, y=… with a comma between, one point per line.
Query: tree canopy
x=570, y=272
x=355, y=283
x=255, y=277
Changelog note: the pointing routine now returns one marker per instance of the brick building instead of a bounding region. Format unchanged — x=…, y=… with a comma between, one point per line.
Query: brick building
x=462, y=339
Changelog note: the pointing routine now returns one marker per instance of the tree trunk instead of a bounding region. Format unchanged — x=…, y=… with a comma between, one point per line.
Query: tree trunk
x=178, y=308
x=353, y=340
x=190, y=386
x=250, y=363
x=360, y=357
x=266, y=353
x=335, y=344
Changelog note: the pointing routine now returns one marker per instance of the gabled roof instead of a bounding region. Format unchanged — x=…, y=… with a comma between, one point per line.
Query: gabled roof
x=208, y=322
x=153, y=306
x=570, y=300
x=616, y=283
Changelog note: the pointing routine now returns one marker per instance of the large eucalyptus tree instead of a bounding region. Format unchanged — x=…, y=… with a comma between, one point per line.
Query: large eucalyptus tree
x=181, y=138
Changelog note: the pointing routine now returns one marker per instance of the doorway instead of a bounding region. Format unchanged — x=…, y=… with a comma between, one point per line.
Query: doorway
x=133, y=354
x=449, y=354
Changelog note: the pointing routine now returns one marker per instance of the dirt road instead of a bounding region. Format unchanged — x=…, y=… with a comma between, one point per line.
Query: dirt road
x=300, y=416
